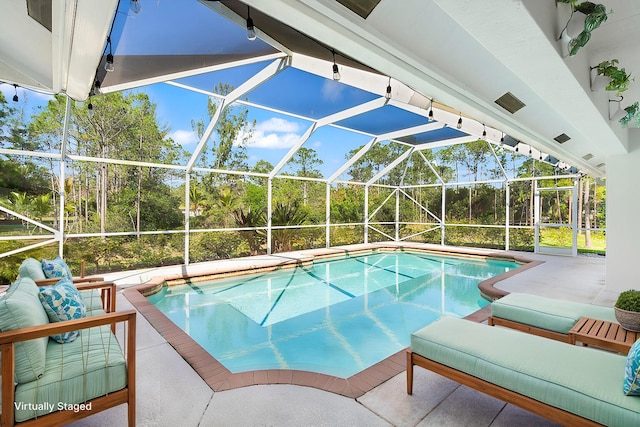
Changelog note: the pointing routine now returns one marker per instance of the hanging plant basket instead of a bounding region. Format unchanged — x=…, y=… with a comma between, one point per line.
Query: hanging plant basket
x=633, y=115
x=611, y=77
x=585, y=17
x=600, y=82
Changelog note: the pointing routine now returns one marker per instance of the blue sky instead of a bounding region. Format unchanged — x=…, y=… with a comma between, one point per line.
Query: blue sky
x=154, y=31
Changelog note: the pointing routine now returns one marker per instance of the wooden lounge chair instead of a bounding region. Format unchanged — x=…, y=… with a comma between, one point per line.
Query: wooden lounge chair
x=49, y=383
x=571, y=385
x=547, y=317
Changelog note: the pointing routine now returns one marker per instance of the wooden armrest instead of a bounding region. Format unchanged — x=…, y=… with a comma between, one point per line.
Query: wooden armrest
x=108, y=293
x=75, y=280
x=33, y=332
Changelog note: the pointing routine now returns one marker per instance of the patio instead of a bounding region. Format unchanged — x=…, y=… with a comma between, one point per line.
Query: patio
x=180, y=397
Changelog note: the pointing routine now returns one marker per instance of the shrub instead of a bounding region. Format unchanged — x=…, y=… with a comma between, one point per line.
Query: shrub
x=629, y=300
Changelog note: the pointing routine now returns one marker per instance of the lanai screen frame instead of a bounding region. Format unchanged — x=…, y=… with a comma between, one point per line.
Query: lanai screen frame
x=472, y=128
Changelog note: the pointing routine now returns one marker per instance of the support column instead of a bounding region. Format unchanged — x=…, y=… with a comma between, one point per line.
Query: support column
x=63, y=154
x=507, y=215
x=328, y=217
x=397, y=237
x=269, y=213
x=366, y=214
x=443, y=213
x=187, y=215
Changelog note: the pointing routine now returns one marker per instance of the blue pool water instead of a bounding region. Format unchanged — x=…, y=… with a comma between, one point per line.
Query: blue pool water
x=335, y=317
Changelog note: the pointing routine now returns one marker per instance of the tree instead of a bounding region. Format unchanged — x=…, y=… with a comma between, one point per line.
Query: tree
x=233, y=131
x=306, y=160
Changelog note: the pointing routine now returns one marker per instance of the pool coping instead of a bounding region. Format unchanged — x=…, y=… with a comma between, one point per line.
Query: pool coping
x=219, y=378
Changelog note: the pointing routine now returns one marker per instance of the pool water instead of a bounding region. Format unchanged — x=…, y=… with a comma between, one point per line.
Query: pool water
x=335, y=317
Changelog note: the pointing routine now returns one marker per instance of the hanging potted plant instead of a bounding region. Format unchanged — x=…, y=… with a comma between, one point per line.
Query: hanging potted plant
x=633, y=115
x=611, y=78
x=585, y=17
x=627, y=309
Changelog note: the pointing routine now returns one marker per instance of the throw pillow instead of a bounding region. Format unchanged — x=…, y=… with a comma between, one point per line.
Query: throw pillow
x=632, y=371
x=20, y=308
x=31, y=268
x=56, y=268
x=63, y=302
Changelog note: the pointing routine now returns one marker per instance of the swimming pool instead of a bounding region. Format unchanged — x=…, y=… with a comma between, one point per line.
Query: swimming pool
x=335, y=317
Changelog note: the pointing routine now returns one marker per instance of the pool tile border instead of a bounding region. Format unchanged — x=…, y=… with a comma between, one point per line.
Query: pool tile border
x=220, y=378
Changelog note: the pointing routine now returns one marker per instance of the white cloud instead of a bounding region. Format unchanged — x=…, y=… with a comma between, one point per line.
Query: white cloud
x=274, y=133
x=273, y=140
x=331, y=90
x=275, y=124
x=184, y=137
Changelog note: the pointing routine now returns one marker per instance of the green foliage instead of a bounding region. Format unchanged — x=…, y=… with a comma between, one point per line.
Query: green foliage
x=633, y=115
x=596, y=15
x=286, y=214
x=217, y=245
x=629, y=300
x=620, y=80
x=252, y=219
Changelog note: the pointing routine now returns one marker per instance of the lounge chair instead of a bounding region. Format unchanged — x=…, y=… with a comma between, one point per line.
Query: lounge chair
x=547, y=317
x=58, y=371
x=571, y=385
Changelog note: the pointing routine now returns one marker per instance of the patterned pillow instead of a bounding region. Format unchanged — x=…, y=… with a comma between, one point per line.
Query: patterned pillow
x=62, y=302
x=56, y=268
x=631, y=385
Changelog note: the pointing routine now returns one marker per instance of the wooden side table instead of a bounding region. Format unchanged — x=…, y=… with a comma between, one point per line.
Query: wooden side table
x=603, y=334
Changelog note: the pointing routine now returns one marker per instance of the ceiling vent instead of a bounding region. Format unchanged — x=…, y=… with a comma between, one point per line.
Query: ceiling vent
x=360, y=7
x=600, y=165
x=40, y=10
x=588, y=156
x=562, y=138
x=510, y=102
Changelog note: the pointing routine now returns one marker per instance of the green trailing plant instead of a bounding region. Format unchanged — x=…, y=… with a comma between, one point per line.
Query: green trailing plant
x=629, y=300
x=633, y=115
x=596, y=14
x=620, y=80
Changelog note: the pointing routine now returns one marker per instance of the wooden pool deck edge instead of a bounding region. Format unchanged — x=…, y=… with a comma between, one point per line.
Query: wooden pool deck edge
x=220, y=378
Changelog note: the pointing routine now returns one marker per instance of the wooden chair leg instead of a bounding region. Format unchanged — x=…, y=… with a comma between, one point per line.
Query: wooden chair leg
x=409, y=373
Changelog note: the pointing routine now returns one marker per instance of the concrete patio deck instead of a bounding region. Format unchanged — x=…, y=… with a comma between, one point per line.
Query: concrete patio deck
x=170, y=392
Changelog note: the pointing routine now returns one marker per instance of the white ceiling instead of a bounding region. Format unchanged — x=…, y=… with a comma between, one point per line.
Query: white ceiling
x=463, y=53
x=468, y=53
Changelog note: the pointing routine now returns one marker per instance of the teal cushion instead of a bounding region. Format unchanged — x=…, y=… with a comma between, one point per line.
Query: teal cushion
x=20, y=308
x=91, y=366
x=632, y=371
x=581, y=380
x=31, y=268
x=547, y=313
x=56, y=268
x=62, y=301
x=92, y=301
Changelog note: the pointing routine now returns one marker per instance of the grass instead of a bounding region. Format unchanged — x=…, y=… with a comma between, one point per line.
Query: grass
x=561, y=238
